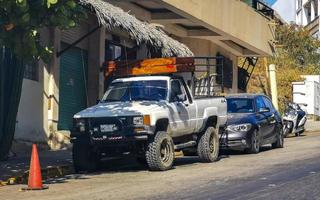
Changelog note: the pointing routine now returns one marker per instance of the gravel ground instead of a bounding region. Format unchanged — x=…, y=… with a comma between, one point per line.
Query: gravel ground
x=235, y=176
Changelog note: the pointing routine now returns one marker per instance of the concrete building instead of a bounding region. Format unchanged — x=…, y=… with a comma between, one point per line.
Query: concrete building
x=307, y=94
x=52, y=93
x=307, y=15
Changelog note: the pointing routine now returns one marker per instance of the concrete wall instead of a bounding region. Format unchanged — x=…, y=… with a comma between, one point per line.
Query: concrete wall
x=232, y=19
x=29, y=125
x=307, y=93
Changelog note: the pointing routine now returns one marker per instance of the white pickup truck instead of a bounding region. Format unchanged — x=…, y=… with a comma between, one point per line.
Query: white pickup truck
x=149, y=117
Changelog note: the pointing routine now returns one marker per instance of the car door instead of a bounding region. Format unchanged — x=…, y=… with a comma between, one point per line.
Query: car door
x=272, y=122
x=179, y=115
x=262, y=119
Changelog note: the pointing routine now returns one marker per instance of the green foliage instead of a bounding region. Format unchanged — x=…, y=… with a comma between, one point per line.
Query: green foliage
x=296, y=47
x=297, y=53
x=21, y=20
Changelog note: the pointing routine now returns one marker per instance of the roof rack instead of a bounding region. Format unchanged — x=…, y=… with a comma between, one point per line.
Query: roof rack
x=155, y=66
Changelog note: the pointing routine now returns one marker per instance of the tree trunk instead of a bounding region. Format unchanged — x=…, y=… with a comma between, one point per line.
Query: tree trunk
x=11, y=77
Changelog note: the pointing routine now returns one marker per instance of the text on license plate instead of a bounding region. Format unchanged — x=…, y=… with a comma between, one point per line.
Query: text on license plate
x=108, y=128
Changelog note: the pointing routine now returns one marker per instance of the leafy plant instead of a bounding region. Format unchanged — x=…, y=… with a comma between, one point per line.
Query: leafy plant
x=297, y=53
x=20, y=23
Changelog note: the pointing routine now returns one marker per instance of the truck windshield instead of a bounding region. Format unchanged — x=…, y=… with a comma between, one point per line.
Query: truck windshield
x=154, y=90
x=240, y=105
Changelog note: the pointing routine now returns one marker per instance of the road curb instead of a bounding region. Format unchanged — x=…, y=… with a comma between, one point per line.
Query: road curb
x=47, y=173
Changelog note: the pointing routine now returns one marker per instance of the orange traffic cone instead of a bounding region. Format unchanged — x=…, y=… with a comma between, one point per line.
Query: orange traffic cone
x=35, y=178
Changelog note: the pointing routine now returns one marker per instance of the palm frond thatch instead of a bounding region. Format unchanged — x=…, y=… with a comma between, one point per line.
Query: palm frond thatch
x=111, y=16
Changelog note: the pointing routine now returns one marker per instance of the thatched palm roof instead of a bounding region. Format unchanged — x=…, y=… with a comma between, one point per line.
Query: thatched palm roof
x=112, y=16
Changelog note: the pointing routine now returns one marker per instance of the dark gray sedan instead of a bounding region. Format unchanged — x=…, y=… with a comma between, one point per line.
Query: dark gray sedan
x=252, y=122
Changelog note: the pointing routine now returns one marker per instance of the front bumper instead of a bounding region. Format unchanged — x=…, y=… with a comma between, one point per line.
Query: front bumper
x=235, y=140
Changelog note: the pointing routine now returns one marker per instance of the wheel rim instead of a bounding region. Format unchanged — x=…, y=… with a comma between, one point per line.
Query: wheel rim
x=212, y=144
x=165, y=151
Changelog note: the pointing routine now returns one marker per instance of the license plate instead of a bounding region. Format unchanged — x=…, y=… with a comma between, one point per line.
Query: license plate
x=108, y=128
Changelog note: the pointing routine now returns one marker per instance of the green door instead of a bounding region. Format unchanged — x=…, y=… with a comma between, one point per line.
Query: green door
x=73, y=79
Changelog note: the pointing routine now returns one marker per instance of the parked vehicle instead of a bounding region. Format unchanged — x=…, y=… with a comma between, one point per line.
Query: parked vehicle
x=294, y=119
x=149, y=117
x=252, y=122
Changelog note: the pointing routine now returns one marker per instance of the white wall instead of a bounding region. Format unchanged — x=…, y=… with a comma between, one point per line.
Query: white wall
x=29, y=126
x=307, y=92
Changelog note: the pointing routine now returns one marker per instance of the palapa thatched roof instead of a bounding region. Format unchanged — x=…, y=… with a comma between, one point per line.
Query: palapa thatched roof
x=111, y=16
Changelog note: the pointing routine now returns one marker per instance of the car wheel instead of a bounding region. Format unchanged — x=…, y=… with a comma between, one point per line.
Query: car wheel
x=160, y=152
x=84, y=159
x=254, y=143
x=280, y=139
x=208, y=145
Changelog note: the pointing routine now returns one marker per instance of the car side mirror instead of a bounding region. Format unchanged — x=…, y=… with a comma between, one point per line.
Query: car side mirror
x=263, y=110
x=181, y=98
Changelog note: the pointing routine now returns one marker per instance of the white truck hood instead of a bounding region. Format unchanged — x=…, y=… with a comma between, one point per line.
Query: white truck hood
x=113, y=109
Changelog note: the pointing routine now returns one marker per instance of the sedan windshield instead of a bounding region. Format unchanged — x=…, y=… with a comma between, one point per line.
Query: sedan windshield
x=240, y=105
x=136, y=91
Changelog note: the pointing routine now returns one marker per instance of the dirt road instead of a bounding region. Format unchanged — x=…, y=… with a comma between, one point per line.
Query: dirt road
x=271, y=174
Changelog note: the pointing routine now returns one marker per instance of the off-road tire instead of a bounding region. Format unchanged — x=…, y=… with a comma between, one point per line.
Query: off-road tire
x=208, y=145
x=160, y=152
x=254, y=143
x=280, y=139
x=84, y=159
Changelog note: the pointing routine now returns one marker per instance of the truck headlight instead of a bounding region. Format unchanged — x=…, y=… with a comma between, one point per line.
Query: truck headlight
x=138, y=121
x=141, y=120
x=240, y=127
x=80, y=124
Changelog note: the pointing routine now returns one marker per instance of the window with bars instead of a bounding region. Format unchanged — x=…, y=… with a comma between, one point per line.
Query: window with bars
x=32, y=71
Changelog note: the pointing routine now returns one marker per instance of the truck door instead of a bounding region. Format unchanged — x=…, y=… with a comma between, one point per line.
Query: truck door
x=178, y=106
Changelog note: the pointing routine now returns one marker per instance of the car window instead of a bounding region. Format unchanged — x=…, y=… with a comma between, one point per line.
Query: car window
x=268, y=103
x=176, y=90
x=240, y=105
x=260, y=103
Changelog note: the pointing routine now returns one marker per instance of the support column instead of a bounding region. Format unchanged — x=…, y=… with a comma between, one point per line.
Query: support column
x=96, y=58
x=235, y=74
x=53, y=86
x=273, y=85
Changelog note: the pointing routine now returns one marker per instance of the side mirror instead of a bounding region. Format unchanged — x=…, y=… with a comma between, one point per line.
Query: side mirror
x=263, y=110
x=181, y=98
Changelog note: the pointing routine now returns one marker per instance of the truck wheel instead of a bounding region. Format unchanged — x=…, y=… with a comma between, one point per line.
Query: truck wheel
x=280, y=139
x=208, y=145
x=160, y=152
x=84, y=159
x=255, y=143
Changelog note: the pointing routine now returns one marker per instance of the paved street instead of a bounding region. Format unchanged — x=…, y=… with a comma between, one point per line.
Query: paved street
x=289, y=173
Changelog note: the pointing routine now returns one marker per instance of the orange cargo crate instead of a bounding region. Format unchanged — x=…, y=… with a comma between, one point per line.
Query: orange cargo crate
x=150, y=66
